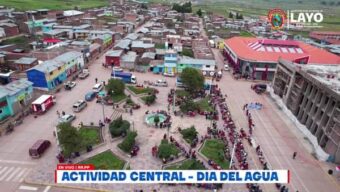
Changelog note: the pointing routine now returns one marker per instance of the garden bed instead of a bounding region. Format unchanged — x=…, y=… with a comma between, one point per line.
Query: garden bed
x=214, y=149
x=140, y=90
x=204, y=105
x=105, y=160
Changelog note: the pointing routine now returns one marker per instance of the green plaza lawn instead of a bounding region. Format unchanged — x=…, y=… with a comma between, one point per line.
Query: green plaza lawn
x=105, y=160
x=117, y=98
x=140, y=90
x=91, y=136
x=214, y=149
x=182, y=93
x=204, y=105
x=189, y=164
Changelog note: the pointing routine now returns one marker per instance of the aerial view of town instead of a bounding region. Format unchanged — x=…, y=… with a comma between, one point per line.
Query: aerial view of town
x=170, y=85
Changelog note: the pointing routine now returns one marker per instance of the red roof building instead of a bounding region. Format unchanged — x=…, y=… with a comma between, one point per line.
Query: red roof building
x=326, y=37
x=257, y=58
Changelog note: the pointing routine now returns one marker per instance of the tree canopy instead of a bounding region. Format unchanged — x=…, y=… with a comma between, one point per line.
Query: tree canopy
x=69, y=138
x=185, y=8
x=192, y=79
x=199, y=12
x=115, y=87
x=119, y=127
x=189, y=134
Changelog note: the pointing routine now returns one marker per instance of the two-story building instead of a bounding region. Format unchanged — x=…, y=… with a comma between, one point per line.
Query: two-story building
x=51, y=73
x=14, y=97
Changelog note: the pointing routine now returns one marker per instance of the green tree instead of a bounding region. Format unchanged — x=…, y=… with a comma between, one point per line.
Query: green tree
x=231, y=16
x=69, y=138
x=192, y=79
x=128, y=142
x=115, y=87
x=199, y=13
x=166, y=149
x=150, y=99
x=189, y=105
x=144, y=6
x=189, y=134
x=119, y=127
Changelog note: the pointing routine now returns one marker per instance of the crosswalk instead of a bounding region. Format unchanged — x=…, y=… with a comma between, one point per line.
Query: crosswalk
x=116, y=113
x=13, y=173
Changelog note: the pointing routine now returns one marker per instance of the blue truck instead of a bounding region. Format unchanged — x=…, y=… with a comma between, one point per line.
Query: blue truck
x=125, y=77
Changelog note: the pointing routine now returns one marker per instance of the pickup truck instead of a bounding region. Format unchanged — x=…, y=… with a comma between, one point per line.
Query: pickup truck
x=85, y=73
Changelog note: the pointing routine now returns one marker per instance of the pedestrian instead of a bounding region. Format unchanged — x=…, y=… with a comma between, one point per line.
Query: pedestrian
x=131, y=111
x=63, y=113
x=58, y=113
x=96, y=80
x=294, y=155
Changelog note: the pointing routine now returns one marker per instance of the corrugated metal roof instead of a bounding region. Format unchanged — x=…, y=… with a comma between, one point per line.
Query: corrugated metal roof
x=26, y=60
x=124, y=44
x=68, y=56
x=114, y=53
x=141, y=44
x=131, y=56
x=132, y=36
x=15, y=86
x=150, y=55
x=47, y=66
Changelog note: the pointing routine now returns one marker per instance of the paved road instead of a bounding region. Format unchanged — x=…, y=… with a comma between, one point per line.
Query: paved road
x=277, y=136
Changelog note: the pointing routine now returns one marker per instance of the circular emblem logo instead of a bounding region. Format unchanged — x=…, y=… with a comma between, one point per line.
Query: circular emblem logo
x=277, y=18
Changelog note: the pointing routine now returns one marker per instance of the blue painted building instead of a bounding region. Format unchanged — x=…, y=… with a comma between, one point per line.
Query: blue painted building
x=14, y=97
x=170, y=62
x=48, y=75
x=51, y=73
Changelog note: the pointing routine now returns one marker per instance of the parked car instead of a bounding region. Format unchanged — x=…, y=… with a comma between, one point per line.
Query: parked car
x=169, y=74
x=98, y=87
x=38, y=148
x=226, y=68
x=161, y=83
x=85, y=73
x=118, y=69
x=69, y=85
x=90, y=96
x=79, y=105
x=68, y=118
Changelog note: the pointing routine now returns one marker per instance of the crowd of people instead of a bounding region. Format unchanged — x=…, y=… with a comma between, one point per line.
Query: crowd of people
x=259, y=151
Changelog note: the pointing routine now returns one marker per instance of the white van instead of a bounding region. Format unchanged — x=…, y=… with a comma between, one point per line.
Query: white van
x=97, y=87
x=79, y=105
